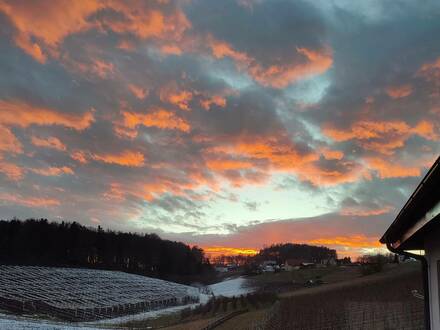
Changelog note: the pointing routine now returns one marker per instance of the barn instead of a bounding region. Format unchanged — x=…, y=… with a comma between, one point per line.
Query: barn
x=416, y=233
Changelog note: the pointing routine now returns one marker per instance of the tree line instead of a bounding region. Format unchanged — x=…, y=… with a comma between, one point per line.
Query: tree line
x=305, y=252
x=280, y=253
x=44, y=243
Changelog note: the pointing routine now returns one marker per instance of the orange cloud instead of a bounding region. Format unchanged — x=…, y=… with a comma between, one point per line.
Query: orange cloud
x=9, y=144
x=157, y=185
x=349, y=172
x=387, y=169
x=114, y=193
x=432, y=65
x=180, y=99
x=382, y=136
x=11, y=171
x=102, y=68
x=18, y=113
x=385, y=147
x=159, y=118
x=53, y=171
x=217, y=100
x=50, y=142
x=126, y=45
x=145, y=22
x=281, y=156
x=430, y=70
x=397, y=92
x=90, y=66
x=365, y=212
x=28, y=201
x=332, y=154
x=126, y=158
x=353, y=241
x=8, y=141
x=313, y=62
x=41, y=27
x=79, y=156
x=426, y=130
x=152, y=190
x=256, y=158
x=153, y=26
x=364, y=129
x=227, y=164
x=213, y=251
x=137, y=91
x=222, y=49
x=171, y=50
x=279, y=76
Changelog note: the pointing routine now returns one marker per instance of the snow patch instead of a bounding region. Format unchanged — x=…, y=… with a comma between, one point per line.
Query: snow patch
x=229, y=288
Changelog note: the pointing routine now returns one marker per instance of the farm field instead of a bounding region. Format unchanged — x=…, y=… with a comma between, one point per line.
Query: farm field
x=293, y=280
x=381, y=301
x=74, y=294
x=346, y=300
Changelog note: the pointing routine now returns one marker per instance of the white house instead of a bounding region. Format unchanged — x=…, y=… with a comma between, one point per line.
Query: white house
x=417, y=228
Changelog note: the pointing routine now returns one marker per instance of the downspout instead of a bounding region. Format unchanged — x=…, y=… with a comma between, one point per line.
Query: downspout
x=424, y=262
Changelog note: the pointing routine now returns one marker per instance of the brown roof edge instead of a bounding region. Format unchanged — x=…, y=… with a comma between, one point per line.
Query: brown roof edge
x=383, y=239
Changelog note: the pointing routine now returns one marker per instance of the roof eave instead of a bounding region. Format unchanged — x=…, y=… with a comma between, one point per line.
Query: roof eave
x=401, y=216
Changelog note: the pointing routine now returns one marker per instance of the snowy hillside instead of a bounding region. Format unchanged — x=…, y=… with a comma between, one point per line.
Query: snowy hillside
x=229, y=288
x=84, y=294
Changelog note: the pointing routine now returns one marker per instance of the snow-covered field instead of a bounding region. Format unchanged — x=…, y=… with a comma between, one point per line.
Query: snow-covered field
x=227, y=288
x=85, y=294
x=234, y=287
x=13, y=322
x=147, y=315
x=8, y=322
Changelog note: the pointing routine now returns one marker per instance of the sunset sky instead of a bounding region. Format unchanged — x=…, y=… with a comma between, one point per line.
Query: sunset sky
x=227, y=124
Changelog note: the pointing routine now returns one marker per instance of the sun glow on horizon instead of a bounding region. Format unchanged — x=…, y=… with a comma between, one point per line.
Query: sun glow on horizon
x=215, y=251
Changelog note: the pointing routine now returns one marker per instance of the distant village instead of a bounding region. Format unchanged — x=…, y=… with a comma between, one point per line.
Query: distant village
x=273, y=266
x=256, y=265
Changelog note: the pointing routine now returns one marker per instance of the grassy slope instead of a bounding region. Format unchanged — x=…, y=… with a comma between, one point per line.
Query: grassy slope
x=336, y=280
x=379, y=301
x=343, y=287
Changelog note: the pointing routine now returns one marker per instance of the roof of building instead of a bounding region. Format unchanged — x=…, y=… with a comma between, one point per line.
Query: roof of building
x=417, y=215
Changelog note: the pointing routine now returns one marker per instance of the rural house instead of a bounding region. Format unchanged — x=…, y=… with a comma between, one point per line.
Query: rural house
x=417, y=228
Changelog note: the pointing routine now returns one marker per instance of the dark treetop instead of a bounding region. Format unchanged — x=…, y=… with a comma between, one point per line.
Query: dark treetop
x=43, y=243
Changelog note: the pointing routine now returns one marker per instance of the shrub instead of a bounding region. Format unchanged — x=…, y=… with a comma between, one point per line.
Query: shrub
x=225, y=304
x=217, y=303
x=369, y=269
x=243, y=301
x=234, y=303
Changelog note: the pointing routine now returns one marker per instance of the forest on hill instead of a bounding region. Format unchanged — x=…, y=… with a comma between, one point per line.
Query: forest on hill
x=305, y=252
x=44, y=243
x=280, y=253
